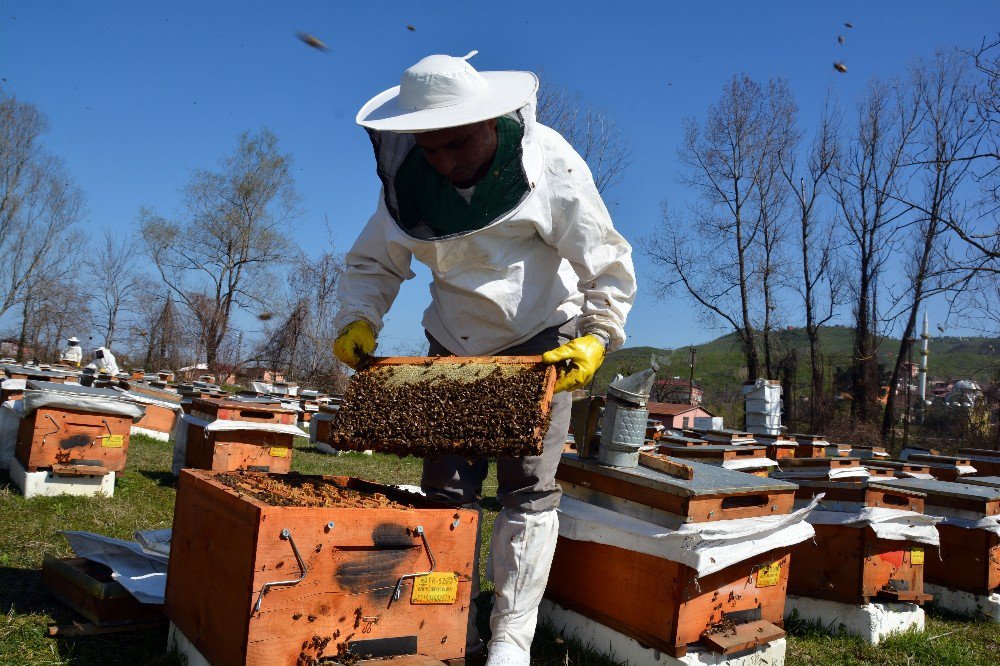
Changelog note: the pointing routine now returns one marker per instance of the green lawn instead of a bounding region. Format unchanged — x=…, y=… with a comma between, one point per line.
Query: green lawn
x=144, y=499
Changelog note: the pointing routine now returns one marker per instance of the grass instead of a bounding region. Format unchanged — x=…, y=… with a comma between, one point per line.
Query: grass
x=144, y=499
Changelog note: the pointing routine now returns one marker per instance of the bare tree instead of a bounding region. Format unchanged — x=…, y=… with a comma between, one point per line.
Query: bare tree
x=595, y=134
x=38, y=202
x=117, y=281
x=867, y=182
x=729, y=162
x=234, y=232
x=300, y=344
x=821, y=286
x=946, y=97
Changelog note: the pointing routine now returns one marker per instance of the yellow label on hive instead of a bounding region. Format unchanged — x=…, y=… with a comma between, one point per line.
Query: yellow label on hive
x=769, y=575
x=916, y=555
x=113, y=441
x=279, y=451
x=435, y=588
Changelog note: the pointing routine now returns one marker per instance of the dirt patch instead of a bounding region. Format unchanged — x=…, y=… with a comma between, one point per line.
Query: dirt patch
x=299, y=490
x=497, y=412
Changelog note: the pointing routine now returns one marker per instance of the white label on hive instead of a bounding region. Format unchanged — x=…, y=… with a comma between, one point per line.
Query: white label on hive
x=435, y=588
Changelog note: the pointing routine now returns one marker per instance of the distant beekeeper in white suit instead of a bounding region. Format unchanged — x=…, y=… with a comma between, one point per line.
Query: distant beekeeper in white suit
x=104, y=361
x=73, y=352
x=525, y=261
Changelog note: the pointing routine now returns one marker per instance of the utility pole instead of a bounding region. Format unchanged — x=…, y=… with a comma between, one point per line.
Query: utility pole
x=694, y=353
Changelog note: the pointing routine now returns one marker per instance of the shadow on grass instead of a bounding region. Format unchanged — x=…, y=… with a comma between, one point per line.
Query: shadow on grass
x=22, y=594
x=165, y=479
x=7, y=484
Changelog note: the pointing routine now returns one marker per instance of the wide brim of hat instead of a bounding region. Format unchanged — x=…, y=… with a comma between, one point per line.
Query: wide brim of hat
x=507, y=91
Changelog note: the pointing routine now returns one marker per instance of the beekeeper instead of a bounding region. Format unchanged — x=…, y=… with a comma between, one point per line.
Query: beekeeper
x=73, y=352
x=525, y=260
x=104, y=361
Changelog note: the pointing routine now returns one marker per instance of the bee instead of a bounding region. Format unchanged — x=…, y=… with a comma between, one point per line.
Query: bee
x=841, y=39
x=312, y=41
x=265, y=316
x=848, y=25
x=840, y=67
x=411, y=28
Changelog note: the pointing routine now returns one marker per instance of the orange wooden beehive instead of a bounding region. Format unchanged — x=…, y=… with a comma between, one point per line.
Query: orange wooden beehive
x=810, y=446
x=72, y=441
x=157, y=417
x=943, y=468
x=851, y=564
x=659, y=602
x=779, y=446
x=230, y=450
x=970, y=558
x=254, y=583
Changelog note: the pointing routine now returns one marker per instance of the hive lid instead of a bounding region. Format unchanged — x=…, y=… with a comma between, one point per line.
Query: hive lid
x=987, y=481
x=74, y=389
x=933, y=487
x=707, y=479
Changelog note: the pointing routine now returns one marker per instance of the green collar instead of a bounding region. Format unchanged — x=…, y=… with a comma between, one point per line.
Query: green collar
x=426, y=197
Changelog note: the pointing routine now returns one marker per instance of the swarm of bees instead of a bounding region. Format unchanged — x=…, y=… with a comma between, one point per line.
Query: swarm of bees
x=498, y=414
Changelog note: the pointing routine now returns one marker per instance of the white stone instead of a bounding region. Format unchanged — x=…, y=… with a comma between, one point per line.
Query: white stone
x=46, y=484
x=966, y=603
x=872, y=622
x=155, y=434
x=323, y=447
x=179, y=643
x=625, y=650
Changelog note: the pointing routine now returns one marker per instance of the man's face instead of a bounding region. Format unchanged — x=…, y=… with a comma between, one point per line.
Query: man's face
x=461, y=154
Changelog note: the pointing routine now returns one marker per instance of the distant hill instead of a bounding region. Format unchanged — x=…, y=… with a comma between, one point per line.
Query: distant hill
x=719, y=367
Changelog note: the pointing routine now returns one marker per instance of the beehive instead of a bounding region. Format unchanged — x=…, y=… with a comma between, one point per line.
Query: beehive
x=851, y=564
x=944, y=468
x=230, y=450
x=659, y=602
x=259, y=574
x=487, y=406
x=730, y=457
x=970, y=558
x=72, y=441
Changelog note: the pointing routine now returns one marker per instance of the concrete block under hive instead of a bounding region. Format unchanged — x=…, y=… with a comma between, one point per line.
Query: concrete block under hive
x=475, y=406
x=657, y=601
x=850, y=563
x=944, y=468
x=74, y=430
x=747, y=459
x=248, y=447
x=810, y=446
x=970, y=555
x=287, y=570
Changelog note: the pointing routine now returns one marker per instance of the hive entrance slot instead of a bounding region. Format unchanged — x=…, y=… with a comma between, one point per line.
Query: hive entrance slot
x=251, y=414
x=743, y=501
x=897, y=500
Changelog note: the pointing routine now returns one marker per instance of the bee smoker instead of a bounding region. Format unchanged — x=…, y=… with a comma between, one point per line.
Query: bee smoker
x=623, y=427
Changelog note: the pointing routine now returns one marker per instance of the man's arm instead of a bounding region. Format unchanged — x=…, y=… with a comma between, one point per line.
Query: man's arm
x=374, y=269
x=583, y=234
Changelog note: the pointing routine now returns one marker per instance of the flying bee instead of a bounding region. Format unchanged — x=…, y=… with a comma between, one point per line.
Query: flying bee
x=313, y=41
x=840, y=67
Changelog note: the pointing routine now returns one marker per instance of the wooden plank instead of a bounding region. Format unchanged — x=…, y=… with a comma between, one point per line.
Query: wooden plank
x=79, y=470
x=742, y=637
x=77, y=630
x=662, y=463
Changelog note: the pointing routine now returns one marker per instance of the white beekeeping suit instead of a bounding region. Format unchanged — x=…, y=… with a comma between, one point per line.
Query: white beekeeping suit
x=73, y=352
x=105, y=361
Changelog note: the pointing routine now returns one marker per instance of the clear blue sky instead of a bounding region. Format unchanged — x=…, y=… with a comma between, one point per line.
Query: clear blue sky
x=140, y=93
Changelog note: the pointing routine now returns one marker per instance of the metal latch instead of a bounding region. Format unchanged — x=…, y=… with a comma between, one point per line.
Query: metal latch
x=285, y=534
x=430, y=556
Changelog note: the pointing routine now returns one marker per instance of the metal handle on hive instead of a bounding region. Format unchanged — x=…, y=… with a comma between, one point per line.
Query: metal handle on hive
x=430, y=556
x=285, y=534
x=49, y=417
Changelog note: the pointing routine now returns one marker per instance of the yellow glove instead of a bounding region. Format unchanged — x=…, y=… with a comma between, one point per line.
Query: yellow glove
x=585, y=356
x=355, y=342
